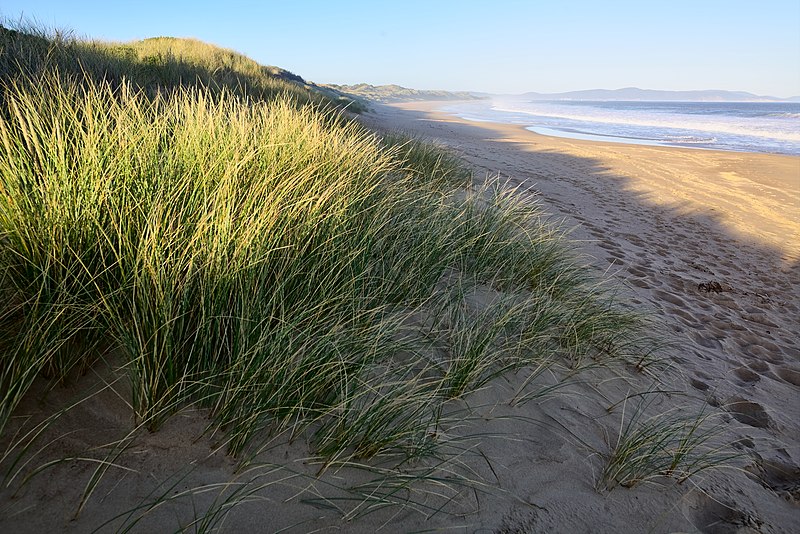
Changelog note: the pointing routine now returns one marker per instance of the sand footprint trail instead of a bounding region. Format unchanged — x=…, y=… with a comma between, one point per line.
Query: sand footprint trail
x=710, y=242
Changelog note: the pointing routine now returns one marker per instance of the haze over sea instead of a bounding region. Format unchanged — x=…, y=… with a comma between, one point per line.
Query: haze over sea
x=769, y=127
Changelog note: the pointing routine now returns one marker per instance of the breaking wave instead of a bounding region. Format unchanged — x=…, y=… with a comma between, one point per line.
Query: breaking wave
x=742, y=126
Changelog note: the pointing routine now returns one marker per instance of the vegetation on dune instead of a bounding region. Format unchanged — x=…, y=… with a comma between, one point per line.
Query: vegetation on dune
x=259, y=258
x=263, y=257
x=156, y=65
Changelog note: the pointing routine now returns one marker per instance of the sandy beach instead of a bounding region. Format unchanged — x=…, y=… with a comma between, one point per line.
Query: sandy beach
x=709, y=242
x=706, y=242
x=452, y=267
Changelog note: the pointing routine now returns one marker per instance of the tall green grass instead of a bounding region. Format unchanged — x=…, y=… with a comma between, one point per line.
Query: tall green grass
x=270, y=261
x=675, y=443
x=262, y=259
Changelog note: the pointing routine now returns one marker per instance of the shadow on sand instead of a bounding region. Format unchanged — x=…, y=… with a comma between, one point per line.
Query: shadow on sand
x=733, y=305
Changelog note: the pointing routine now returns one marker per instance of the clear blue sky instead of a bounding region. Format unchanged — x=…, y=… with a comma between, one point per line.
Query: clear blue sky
x=494, y=46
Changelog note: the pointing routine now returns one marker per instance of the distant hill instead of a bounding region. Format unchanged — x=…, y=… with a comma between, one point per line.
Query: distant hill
x=634, y=93
x=397, y=93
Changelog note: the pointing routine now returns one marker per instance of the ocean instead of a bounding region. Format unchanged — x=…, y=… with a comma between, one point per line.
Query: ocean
x=769, y=127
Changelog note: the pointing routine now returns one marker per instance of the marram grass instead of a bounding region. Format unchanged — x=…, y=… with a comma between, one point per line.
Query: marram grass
x=260, y=258
x=668, y=444
x=273, y=263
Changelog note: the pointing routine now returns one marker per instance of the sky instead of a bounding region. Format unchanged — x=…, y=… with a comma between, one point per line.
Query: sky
x=499, y=46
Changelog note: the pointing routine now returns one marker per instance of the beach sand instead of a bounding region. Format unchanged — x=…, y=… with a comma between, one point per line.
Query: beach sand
x=670, y=223
x=707, y=242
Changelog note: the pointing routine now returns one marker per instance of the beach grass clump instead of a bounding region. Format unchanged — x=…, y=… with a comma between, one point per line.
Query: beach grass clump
x=271, y=262
x=677, y=444
x=433, y=165
x=255, y=258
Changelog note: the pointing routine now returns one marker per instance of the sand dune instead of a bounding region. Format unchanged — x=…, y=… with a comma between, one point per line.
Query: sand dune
x=708, y=242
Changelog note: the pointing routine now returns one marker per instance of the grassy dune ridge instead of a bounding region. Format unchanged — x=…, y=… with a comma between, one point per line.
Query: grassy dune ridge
x=252, y=255
x=266, y=258
x=156, y=65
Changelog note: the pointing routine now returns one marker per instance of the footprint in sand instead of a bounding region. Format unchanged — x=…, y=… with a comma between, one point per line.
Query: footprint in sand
x=712, y=516
x=698, y=384
x=790, y=375
x=758, y=351
x=639, y=283
x=781, y=477
x=759, y=366
x=729, y=303
x=608, y=246
x=639, y=272
x=669, y=297
x=759, y=318
x=707, y=341
x=634, y=239
x=746, y=375
x=748, y=412
x=687, y=318
x=596, y=233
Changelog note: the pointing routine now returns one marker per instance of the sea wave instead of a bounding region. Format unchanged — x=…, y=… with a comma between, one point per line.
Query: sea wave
x=785, y=115
x=689, y=140
x=742, y=127
x=732, y=125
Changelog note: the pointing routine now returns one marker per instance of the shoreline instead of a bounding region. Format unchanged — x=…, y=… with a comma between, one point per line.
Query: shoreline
x=578, y=133
x=586, y=136
x=434, y=107
x=707, y=243
x=707, y=180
